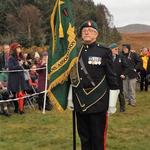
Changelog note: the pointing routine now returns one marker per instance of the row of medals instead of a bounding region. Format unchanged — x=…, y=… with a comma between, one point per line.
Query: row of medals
x=95, y=60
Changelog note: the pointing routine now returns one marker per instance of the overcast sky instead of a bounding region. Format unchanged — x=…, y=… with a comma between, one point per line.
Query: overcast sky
x=128, y=11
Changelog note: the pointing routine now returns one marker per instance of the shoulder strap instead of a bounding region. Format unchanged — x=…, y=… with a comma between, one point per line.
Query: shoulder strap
x=85, y=71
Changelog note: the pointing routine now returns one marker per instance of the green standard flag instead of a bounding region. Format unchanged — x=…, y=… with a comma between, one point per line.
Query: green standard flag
x=62, y=53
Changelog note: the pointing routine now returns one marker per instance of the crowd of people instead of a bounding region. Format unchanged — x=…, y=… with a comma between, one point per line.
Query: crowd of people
x=20, y=74
x=130, y=67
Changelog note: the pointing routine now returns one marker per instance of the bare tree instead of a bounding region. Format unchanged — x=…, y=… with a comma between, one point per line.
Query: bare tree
x=26, y=22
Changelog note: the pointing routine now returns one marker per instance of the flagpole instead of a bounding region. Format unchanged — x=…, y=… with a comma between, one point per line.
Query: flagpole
x=74, y=129
x=45, y=90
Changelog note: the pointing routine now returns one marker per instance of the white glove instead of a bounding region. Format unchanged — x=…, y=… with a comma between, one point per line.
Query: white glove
x=122, y=76
x=70, y=103
x=113, y=96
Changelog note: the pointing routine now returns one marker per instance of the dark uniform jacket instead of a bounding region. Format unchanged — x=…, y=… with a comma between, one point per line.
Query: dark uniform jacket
x=120, y=65
x=89, y=98
x=134, y=63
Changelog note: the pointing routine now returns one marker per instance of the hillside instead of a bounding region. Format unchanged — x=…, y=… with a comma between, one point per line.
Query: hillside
x=134, y=28
x=137, y=40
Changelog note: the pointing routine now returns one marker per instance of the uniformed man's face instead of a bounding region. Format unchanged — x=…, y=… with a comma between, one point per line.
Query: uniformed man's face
x=89, y=35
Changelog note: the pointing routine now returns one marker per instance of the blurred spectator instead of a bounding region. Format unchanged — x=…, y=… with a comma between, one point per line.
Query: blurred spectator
x=26, y=65
x=129, y=83
x=27, y=61
x=42, y=80
x=6, y=55
x=148, y=53
x=144, y=69
x=1, y=56
x=4, y=95
x=119, y=65
x=37, y=58
x=42, y=72
x=33, y=81
x=16, y=80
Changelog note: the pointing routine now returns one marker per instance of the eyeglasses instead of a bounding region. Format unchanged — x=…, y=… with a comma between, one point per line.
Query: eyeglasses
x=89, y=30
x=116, y=49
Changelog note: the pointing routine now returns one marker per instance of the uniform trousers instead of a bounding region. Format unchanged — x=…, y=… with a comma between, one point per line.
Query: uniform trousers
x=121, y=99
x=92, y=130
x=121, y=95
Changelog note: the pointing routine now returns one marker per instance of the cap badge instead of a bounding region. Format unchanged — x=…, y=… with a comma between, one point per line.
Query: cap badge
x=89, y=23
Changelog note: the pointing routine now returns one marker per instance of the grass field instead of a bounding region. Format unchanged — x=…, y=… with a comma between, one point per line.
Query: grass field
x=53, y=131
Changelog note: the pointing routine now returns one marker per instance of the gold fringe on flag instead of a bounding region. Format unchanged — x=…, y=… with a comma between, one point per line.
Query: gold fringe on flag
x=60, y=80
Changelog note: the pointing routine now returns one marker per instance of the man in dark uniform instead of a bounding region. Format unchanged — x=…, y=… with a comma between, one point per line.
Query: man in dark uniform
x=120, y=65
x=91, y=79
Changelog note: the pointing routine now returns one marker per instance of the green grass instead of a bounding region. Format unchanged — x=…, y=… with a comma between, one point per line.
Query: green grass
x=53, y=131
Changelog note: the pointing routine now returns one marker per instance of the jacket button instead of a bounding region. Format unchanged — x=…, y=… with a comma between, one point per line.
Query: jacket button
x=80, y=78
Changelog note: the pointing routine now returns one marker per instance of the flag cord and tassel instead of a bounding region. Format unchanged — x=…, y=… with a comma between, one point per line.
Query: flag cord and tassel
x=61, y=33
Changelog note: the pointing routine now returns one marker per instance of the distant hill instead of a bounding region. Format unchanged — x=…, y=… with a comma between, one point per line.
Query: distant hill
x=137, y=40
x=134, y=28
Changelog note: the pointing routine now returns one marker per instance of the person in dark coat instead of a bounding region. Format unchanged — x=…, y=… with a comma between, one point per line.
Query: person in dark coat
x=4, y=95
x=42, y=63
x=16, y=79
x=91, y=88
x=120, y=65
x=4, y=56
x=1, y=57
x=129, y=83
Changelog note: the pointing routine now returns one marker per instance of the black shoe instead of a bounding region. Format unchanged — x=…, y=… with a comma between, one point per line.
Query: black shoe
x=129, y=103
x=40, y=108
x=16, y=111
x=133, y=105
x=1, y=113
x=122, y=109
x=21, y=112
x=5, y=113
